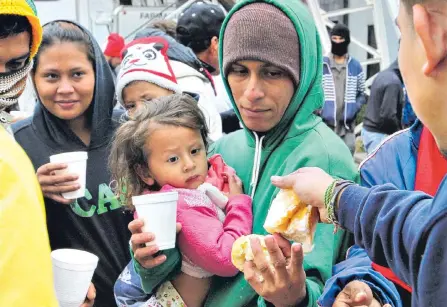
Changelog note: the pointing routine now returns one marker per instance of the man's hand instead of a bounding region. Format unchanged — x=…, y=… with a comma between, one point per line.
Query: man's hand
x=310, y=184
x=357, y=293
x=281, y=281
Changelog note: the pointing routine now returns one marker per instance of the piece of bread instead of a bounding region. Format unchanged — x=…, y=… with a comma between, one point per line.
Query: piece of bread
x=241, y=251
x=293, y=219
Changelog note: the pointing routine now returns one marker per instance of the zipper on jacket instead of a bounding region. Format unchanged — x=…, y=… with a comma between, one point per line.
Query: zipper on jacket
x=256, y=164
x=346, y=91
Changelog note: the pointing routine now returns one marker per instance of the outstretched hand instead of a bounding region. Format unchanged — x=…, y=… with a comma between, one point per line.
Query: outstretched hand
x=282, y=280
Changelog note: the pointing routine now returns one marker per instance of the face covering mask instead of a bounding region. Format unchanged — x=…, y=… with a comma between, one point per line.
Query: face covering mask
x=340, y=49
x=12, y=86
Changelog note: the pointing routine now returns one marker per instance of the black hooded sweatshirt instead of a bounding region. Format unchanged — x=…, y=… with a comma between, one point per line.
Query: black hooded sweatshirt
x=384, y=109
x=96, y=223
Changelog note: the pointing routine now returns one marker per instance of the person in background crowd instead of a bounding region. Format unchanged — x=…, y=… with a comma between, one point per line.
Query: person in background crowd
x=191, y=76
x=198, y=28
x=75, y=88
x=344, y=87
x=167, y=26
x=400, y=217
x=115, y=43
x=275, y=81
x=383, y=115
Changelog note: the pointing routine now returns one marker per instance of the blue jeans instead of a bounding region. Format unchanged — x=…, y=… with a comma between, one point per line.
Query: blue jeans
x=128, y=289
x=371, y=140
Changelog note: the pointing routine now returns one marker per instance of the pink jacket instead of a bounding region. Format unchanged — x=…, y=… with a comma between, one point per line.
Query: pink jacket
x=205, y=241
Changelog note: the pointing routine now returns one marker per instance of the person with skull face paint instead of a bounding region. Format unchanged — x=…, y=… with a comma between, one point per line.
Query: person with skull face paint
x=344, y=87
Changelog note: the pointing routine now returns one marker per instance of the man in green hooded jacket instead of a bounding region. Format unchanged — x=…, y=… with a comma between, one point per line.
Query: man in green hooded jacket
x=271, y=62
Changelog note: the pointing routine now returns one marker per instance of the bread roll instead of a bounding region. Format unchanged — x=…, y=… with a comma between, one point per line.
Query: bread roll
x=293, y=219
x=241, y=251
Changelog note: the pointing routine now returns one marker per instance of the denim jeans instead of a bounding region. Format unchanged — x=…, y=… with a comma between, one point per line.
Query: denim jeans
x=371, y=140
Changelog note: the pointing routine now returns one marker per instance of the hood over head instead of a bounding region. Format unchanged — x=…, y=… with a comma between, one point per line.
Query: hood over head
x=99, y=114
x=299, y=116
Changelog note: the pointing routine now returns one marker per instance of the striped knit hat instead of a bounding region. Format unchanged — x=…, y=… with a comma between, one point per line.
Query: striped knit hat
x=27, y=9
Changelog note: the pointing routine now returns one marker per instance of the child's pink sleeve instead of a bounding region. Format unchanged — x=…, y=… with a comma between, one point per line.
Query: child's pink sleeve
x=206, y=241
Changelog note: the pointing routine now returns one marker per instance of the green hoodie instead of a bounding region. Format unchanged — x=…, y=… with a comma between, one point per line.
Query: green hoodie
x=300, y=139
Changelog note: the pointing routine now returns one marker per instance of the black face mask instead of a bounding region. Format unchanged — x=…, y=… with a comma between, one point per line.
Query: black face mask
x=340, y=49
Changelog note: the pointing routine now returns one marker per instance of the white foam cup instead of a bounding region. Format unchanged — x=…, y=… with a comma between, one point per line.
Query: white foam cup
x=77, y=164
x=73, y=271
x=159, y=213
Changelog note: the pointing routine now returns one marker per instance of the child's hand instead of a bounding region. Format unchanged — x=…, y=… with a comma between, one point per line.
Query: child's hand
x=235, y=184
x=145, y=255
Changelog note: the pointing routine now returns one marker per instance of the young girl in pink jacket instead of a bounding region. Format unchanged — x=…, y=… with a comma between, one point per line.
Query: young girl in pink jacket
x=163, y=148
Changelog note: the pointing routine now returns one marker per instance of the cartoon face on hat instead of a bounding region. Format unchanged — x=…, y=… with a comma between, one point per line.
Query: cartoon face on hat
x=146, y=59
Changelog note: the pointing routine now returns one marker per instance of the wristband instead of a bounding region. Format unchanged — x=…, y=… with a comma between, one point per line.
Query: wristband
x=330, y=200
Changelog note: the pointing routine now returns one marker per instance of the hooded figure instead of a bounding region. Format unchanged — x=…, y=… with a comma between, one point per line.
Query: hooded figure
x=274, y=32
x=383, y=113
x=96, y=222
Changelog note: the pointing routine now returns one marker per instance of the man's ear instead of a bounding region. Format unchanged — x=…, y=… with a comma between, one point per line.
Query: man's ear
x=143, y=173
x=433, y=36
x=215, y=45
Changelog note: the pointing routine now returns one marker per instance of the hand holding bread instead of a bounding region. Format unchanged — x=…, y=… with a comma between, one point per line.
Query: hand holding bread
x=273, y=268
x=271, y=265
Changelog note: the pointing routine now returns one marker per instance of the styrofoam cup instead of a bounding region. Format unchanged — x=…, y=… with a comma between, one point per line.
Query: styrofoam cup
x=73, y=271
x=77, y=164
x=159, y=213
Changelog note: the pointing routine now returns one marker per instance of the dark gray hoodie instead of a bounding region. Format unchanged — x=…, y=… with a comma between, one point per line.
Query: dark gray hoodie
x=96, y=222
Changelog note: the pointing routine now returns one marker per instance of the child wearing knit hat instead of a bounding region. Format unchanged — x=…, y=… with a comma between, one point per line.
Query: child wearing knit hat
x=147, y=72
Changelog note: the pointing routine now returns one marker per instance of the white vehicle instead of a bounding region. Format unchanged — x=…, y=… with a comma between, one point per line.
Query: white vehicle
x=102, y=17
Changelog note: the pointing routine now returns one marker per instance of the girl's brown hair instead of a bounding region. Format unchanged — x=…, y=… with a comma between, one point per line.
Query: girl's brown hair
x=128, y=156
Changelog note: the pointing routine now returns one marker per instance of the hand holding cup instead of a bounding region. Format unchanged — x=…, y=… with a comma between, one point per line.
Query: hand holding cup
x=53, y=185
x=145, y=255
